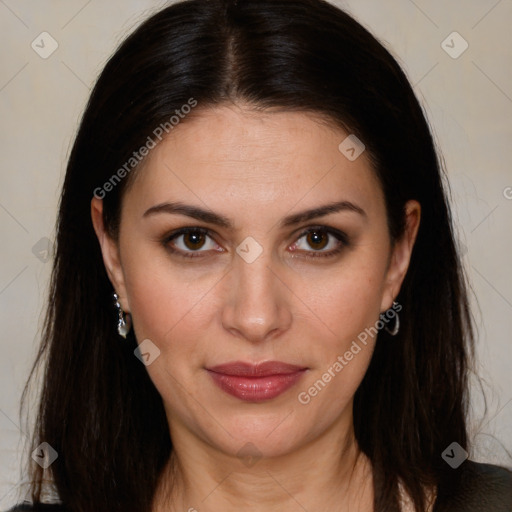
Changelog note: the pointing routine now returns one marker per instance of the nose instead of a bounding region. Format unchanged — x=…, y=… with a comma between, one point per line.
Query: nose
x=257, y=303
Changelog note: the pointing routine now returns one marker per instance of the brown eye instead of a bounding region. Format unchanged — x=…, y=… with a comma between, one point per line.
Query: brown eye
x=317, y=239
x=320, y=241
x=191, y=242
x=194, y=240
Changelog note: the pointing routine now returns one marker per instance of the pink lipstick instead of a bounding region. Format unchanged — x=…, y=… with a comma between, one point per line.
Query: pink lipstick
x=256, y=382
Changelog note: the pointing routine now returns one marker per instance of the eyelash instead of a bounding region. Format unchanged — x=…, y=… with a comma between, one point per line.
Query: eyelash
x=341, y=237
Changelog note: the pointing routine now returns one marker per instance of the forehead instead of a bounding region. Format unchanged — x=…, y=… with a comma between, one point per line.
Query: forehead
x=231, y=154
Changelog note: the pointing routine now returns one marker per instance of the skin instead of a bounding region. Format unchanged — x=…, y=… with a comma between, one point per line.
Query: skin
x=256, y=168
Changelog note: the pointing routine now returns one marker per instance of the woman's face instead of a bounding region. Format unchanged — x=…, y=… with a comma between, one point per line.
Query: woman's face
x=287, y=258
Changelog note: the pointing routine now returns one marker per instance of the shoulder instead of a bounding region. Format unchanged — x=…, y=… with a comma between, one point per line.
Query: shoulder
x=39, y=507
x=474, y=487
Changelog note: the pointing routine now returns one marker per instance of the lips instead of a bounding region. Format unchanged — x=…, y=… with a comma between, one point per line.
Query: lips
x=256, y=382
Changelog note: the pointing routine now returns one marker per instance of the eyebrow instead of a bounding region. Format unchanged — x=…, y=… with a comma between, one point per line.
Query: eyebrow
x=177, y=208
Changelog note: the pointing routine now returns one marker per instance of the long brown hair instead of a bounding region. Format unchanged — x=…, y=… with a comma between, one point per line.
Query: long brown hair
x=98, y=408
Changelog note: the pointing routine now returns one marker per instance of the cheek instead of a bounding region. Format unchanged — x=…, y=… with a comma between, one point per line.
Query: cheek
x=174, y=313
x=341, y=359
x=348, y=308
x=347, y=299
x=165, y=303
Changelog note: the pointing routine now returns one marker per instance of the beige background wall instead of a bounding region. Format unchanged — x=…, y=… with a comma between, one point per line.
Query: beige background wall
x=468, y=100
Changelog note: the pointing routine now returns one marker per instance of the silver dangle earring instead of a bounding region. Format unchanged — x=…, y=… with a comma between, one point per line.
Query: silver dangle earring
x=396, y=327
x=124, y=323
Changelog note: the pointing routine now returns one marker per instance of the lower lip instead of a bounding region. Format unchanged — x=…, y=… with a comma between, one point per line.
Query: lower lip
x=256, y=389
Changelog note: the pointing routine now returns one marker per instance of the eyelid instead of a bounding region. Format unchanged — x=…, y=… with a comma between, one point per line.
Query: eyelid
x=183, y=231
x=340, y=236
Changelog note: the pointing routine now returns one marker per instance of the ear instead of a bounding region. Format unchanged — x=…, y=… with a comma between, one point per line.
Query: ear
x=110, y=252
x=401, y=255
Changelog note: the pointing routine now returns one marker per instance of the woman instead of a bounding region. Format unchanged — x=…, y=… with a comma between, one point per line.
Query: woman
x=257, y=302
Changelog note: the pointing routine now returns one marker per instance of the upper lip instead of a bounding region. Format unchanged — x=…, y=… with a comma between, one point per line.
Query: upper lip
x=240, y=368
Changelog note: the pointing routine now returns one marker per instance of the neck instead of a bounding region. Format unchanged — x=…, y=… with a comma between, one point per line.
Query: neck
x=327, y=474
